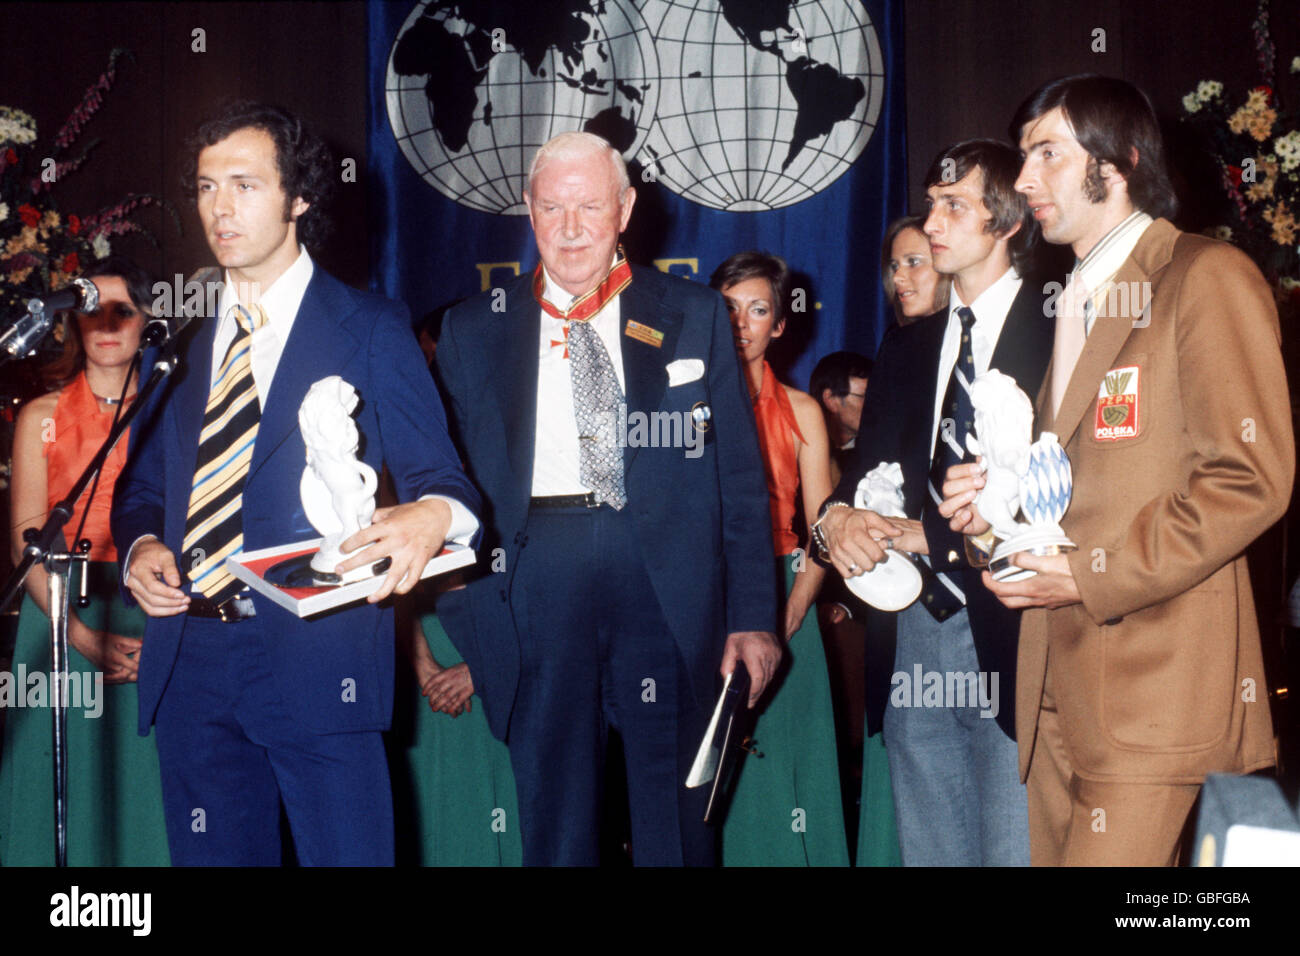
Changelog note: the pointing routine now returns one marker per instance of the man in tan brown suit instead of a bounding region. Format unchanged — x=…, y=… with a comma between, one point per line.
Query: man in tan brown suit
x=1140, y=669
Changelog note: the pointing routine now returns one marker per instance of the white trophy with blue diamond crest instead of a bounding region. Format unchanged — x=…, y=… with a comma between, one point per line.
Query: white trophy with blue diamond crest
x=1021, y=478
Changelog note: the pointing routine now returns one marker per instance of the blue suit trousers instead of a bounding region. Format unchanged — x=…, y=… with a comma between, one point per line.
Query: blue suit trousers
x=596, y=653
x=231, y=751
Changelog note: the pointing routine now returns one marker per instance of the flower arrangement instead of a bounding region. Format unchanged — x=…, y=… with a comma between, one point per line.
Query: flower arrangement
x=41, y=248
x=1257, y=145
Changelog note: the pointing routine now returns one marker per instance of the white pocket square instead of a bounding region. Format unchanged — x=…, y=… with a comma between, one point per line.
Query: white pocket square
x=681, y=371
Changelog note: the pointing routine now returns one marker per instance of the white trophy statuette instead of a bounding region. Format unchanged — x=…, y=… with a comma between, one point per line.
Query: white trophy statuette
x=1021, y=477
x=337, y=489
x=894, y=583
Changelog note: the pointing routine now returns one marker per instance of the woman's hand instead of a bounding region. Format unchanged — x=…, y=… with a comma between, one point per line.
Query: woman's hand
x=795, y=612
x=449, y=690
x=117, y=656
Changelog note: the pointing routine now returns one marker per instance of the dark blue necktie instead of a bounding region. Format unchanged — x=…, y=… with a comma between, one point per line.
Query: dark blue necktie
x=942, y=595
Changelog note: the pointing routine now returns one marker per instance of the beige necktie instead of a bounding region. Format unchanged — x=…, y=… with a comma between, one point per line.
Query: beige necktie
x=1071, y=333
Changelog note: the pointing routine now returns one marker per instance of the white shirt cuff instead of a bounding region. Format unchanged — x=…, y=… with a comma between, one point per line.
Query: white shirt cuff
x=126, y=565
x=463, y=523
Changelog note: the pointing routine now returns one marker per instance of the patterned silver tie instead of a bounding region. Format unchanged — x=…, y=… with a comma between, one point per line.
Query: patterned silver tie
x=596, y=401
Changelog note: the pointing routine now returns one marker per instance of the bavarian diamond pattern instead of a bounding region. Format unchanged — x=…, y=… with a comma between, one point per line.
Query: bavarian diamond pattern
x=1046, y=486
x=596, y=401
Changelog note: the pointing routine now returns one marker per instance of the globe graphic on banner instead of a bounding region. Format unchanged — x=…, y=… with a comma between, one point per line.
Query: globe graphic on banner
x=470, y=102
x=762, y=103
x=742, y=105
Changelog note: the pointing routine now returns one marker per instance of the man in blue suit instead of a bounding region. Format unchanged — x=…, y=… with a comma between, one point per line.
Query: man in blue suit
x=627, y=557
x=253, y=707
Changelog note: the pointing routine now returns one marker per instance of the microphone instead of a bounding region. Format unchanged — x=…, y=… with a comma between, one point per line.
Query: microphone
x=25, y=334
x=162, y=329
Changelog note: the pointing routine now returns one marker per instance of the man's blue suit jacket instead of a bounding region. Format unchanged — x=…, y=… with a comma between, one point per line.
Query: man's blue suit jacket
x=703, y=523
x=367, y=340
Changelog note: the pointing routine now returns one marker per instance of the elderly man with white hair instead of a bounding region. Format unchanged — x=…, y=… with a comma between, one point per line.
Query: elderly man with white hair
x=626, y=564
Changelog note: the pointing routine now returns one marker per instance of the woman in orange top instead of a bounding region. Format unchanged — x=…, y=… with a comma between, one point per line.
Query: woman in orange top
x=114, y=795
x=786, y=809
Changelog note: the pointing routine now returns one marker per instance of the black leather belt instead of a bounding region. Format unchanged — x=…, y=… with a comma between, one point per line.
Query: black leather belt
x=237, y=607
x=565, y=501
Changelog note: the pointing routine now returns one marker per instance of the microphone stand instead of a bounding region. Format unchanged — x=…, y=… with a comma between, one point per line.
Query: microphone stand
x=46, y=545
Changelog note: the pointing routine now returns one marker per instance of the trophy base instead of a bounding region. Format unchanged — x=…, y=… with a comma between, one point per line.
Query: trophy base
x=890, y=586
x=298, y=573
x=1042, y=542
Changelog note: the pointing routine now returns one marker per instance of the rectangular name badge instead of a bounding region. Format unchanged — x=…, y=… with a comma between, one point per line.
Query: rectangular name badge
x=643, y=333
x=1118, y=404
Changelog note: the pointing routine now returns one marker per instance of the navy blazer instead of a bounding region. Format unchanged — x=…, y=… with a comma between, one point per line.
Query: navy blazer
x=703, y=522
x=897, y=422
x=367, y=340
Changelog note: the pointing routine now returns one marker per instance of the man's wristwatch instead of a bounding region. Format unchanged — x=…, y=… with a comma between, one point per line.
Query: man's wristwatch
x=819, y=539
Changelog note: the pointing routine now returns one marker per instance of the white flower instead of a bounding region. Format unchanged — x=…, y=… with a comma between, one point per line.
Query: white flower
x=1207, y=90
x=1295, y=65
x=1191, y=104
x=1288, y=150
x=1220, y=232
x=4, y=211
x=1289, y=283
x=16, y=127
x=101, y=246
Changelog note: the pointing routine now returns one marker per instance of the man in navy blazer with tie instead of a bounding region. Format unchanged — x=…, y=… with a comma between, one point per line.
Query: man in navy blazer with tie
x=254, y=707
x=627, y=557
x=952, y=756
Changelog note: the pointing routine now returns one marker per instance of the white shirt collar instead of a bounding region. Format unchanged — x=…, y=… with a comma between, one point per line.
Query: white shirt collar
x=282, y=299
x=1104, y=259
x=559, y=297
x=990, y=306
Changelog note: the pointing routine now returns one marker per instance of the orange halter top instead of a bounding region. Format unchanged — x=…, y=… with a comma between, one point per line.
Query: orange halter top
x=80, y=427
x=777, y=429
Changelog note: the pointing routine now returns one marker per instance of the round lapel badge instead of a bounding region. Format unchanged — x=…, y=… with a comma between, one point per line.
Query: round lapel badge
x=702, y=416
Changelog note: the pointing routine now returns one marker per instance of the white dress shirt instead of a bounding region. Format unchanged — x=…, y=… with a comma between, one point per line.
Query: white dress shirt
x=990, y=307
x=556, y=461
x=280, y=303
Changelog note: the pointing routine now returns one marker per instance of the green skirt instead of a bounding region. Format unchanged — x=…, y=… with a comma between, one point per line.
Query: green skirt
x=877, y=828
x=786, y=808
x=453, y=789
x=115, y=810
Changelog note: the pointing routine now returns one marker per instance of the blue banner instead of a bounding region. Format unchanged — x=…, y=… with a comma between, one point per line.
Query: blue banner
x=747, y=124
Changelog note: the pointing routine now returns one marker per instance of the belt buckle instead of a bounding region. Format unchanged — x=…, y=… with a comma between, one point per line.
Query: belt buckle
x=591, y=502
x=228, y=609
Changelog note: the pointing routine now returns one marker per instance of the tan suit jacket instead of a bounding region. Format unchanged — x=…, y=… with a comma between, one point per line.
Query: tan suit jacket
x=1150, y=673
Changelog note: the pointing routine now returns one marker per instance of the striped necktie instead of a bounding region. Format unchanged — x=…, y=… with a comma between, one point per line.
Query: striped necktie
x=214, y=525
x=942, y=596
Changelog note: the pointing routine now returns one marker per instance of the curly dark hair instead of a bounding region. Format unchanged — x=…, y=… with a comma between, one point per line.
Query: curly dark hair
x=304, y=162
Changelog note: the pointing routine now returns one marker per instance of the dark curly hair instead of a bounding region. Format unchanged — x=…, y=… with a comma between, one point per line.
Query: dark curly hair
x=304, y=162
